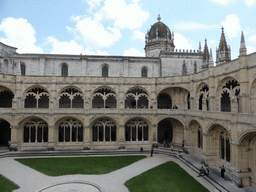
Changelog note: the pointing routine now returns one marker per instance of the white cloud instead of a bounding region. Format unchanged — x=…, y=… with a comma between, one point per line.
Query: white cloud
x=21, y=34
x=93, y=4
x=212, y=42
x=250, y=3
x=222, y=2
x=134, y=52
x=124, y=15
x=138, y=35
x=192, y=25
x=252, y=38
x=181, y=42
x=250, y=49
x=71, y=48
x=95, y=34
x=231, y=25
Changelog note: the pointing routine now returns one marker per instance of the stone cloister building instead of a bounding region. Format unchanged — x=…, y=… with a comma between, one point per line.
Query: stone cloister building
x=54, y=102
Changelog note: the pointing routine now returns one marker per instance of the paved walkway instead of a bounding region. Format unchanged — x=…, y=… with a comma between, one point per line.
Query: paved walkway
x=30, y=180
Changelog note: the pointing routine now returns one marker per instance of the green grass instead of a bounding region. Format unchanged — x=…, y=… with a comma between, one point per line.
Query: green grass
x=79, y=165
x=166, y=177
x=6, y=185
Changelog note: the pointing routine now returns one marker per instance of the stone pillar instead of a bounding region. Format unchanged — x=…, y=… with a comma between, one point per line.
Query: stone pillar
x=51, y=138
x=154, y=136
x=234, y=105
x=204, y=105
x=42, y=66
x=121, y=137
x=14, y=138
x=208, y=156
x=87, y=137
x=212, y=103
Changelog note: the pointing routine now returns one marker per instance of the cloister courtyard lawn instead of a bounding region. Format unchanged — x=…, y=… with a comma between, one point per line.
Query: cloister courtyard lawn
x=166, y=177
x=6, y=185
x=57, y=166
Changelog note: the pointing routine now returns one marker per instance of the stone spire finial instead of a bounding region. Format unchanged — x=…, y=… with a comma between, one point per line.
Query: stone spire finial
x=211, y=62
x=158, y=18
x=200, y=48
x=242, y=50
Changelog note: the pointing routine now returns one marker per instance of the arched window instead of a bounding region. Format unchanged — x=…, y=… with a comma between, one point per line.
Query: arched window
x=136, y=130
x=70, y=130
x=35, y=131
x=37, y=98
x=203, y=97
x=104, y=130
x=144, y=72
x=224, y=146
x=6, y=98
x=23, y=69
x=105, y=71
x=71, y=98
x=229, y=91
x=104, y=98
x=64, y=70
x=136, y=98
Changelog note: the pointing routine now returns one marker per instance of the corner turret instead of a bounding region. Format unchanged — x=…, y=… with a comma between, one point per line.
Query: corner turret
x=242, y=50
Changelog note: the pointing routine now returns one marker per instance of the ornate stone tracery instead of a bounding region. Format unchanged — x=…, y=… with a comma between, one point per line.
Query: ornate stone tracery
x=37, y=98
x=71, y=98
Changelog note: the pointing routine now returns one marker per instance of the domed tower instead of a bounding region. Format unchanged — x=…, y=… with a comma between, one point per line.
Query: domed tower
x=158, y=38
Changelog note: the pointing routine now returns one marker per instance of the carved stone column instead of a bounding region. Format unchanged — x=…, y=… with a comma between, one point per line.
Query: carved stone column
x=87, y=137
x=154, y=136
x=14, y=139
x=121, y=137
x=51, y=138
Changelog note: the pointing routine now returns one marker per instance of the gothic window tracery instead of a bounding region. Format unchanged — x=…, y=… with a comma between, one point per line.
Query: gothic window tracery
x=37, y=98
x=71, y=98
x=224, y=146
x=164, y=101
x=104, y=130
x=6, y=97
x=136, y=98
x=70, y=130
x=35, y=131
x=104, y=98
x=136, y=130
x=230, y=92
x=204, y=97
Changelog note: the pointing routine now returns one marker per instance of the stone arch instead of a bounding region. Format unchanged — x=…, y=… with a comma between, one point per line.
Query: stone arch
x=136, y=97
x=170, y=130
x=195, y=136
x=227, y=94
x=36, y=97
x=178, y=96
x=104, y=129
x=71, y=97
x=219, y=141
x=247, y=150
x=5, y=132
x=202, y=95
x=137, y=129
x=6, y=97
x=70, y=130
x=164, y=101
x=104, y=97
x=34, y=129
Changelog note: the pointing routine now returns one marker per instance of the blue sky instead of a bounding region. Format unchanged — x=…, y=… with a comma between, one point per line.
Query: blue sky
x=118, y=27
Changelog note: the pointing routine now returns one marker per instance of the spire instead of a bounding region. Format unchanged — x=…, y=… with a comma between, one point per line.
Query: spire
x=200, y=48
x=242, y=50
x=158, y=18
x=223, y=53
x=223, y=42
x=211, y=59
x=206, y=52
